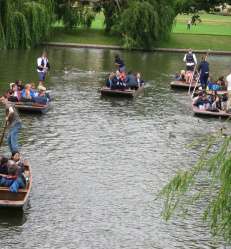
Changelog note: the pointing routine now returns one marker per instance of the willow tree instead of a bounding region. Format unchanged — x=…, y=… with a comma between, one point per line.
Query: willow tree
x=74, y=13
x=139, y=22
x=213, y=169
x=24, y=23
x=144, y=22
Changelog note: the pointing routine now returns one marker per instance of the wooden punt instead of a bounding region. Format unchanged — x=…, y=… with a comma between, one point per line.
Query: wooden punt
x=200, y=112
x=179, y=84
x=31, y=107
x=127, y=93
x=17, y=200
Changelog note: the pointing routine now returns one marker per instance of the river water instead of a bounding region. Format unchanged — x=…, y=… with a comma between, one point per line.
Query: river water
x=98, y=163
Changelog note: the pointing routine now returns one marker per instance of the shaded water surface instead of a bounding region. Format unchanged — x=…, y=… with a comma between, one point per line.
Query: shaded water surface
x=98, y=164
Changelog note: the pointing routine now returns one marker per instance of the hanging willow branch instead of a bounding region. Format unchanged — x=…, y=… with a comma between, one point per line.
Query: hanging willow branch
x=214, y=168
x=24, y=23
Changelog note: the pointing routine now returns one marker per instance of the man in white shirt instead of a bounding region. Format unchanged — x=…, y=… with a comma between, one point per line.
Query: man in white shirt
x=191, y=61
x=42, y=67
x=228, y=79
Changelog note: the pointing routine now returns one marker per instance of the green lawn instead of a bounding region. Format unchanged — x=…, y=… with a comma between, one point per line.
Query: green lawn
x=87, y=36
x=213, y=33
x=211, y=25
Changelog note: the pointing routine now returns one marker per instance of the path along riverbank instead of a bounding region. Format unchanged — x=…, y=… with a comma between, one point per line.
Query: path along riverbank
x=115, y=47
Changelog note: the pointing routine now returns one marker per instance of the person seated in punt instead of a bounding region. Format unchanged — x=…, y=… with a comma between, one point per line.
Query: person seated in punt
x=109, y=80
x=131, y=81
x=14, y=179
x=139, y=80
x=19, y=85
x=213, y=86
x=180, y=76
x=117, y=82
x=42, y=97
x=214, y=101
x=11, y=97
x=201, y=101
x=27, y=94
x=221, y=82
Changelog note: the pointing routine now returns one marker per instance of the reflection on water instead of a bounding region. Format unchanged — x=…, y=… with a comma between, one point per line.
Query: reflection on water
x=98, y=163
x=12, y=217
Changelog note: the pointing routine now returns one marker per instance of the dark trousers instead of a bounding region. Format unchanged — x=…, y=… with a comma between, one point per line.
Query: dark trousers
x=204, y=80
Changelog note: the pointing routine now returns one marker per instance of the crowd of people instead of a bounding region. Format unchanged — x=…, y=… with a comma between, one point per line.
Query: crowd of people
x=122, y=80
x=211, y=102
x=28, y=93
x=12, y=168
x=12, y=172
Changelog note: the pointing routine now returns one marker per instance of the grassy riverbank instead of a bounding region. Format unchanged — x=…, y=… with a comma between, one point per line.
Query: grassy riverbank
x=214, y=32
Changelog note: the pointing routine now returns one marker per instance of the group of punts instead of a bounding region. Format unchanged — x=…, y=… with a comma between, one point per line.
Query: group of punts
x=31, y=107
x=177, y=84
x=20, y=199
x=125, y=93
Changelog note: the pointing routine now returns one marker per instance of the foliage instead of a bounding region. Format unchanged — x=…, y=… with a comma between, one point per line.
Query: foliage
x=24, y=23
x=74, y=13
x=214, y=170
x=139, y=23
x=193, y=6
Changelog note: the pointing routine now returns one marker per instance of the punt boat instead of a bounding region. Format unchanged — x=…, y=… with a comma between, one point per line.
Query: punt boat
x=17, y=200
x=31, y=107
x=179, y=84
x=201, y=112
x=126, y=93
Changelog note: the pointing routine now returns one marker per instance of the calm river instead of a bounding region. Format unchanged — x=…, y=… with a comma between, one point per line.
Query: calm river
x=98, y=164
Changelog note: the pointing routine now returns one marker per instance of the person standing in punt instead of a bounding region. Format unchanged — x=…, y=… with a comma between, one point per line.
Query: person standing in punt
x=42, y=67
x=120, y=64
x=191, y=61
x=13, y=122
x=203, y=69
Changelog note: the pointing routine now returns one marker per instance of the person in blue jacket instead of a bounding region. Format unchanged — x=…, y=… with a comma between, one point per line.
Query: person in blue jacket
x=203, y=68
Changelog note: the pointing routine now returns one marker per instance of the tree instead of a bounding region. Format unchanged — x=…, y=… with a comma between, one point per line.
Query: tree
x=74, y=13
x=192, y=6
x=139, y=23
x=214, y=170
x=24, y=23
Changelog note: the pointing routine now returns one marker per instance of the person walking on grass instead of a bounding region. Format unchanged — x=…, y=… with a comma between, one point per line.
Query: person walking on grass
x=13, y=122
x=189, y=24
